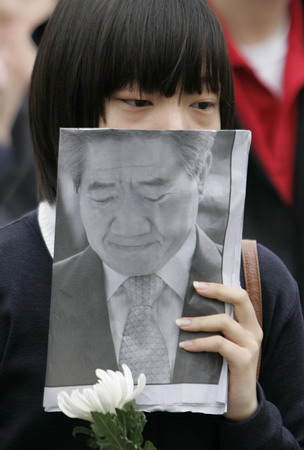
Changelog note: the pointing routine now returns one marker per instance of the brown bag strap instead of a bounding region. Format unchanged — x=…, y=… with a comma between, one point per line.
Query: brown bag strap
x=253, y=281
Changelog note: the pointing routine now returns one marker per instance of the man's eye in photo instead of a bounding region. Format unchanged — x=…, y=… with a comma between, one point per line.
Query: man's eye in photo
x=104, y=200
x=154, y=195
x=155, y=198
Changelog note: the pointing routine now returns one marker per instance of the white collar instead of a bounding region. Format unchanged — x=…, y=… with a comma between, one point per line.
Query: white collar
x=46, y=220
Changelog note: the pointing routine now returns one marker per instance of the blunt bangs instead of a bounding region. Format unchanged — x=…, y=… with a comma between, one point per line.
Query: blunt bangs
x=92, y=48
x=161, y=46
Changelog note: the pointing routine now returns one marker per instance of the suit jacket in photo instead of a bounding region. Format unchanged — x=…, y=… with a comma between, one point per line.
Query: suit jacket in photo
x=80, y=339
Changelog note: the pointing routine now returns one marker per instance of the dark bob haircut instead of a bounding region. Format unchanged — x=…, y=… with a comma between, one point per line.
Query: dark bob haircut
x=92, y=48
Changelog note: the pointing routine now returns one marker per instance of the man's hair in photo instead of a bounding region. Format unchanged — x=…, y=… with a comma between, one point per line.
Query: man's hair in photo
x=92, y=48
x=188, y=144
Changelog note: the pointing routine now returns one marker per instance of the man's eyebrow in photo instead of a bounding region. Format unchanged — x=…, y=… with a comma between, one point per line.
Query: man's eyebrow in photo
x=158, y=181
x=100, y=185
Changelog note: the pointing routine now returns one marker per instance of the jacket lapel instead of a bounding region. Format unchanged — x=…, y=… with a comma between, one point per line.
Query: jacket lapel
x=206, y=266
x=80, y=334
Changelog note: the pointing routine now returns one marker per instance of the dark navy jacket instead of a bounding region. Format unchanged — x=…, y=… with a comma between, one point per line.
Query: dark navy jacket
x=268, y=220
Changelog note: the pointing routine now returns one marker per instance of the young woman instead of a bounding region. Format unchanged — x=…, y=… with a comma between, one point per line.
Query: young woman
x=142, y=64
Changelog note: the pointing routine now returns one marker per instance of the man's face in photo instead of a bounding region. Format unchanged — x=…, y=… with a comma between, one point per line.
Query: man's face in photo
x=138, y=203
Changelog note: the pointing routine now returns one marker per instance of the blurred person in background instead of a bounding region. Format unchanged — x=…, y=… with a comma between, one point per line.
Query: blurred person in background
x=18, y=19
x=266, y=46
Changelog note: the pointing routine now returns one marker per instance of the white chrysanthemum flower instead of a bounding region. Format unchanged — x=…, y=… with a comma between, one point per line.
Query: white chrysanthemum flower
x=112, y=391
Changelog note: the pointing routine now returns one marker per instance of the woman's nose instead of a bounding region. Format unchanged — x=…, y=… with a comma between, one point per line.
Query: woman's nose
x=171, y=116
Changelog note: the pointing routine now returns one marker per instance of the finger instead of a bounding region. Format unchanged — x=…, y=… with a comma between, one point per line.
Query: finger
x=221, y=323
x=236, y=356
x=238, y=297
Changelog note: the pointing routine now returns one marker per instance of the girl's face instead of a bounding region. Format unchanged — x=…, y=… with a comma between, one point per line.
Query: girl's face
x=130, y=109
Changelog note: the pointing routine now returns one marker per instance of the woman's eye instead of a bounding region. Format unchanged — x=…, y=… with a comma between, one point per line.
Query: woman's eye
x=203, y=105
x=138, y=103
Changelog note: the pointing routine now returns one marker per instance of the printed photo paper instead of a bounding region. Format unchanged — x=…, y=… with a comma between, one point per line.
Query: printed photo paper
x=140, y=215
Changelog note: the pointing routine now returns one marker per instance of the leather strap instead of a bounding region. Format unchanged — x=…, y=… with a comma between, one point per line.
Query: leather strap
x=253, y=281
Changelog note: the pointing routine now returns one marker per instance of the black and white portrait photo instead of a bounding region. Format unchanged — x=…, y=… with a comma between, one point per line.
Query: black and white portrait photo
x=138, y=198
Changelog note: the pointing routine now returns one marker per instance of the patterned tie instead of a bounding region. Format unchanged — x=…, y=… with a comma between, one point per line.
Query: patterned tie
x=143, y=347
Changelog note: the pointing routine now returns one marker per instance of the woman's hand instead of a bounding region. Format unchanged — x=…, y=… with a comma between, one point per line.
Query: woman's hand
x=239, y=344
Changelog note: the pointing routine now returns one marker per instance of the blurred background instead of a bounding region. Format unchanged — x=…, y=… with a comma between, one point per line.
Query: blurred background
x=18, y=20
x=266, y=47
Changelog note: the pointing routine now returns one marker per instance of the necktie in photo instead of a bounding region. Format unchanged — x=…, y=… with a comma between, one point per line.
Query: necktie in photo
x=143, y=347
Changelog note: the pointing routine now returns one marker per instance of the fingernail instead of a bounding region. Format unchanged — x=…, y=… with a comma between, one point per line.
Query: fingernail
x=200, y=285
x=183, y=322
x=185, y=344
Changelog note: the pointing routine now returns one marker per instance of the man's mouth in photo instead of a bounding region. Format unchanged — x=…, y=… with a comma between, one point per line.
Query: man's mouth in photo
x=132, y=246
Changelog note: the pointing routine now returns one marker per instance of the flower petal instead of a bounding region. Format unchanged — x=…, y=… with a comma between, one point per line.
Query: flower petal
x=129, y=381
x=71, y=409
x=103, y=390
x=94, y=400
x=113, y=390
x=141, y=383
x=116, y=380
